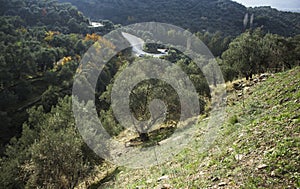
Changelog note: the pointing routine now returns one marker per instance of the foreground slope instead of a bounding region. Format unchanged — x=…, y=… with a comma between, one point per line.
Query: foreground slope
x=257, y=146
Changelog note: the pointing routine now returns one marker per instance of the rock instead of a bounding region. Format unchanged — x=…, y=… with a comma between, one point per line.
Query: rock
x=247, y=89
x=166, y=186
x=165, y=177
x=250, y=84
x=262, y=166
x=222, y=184
x=238, y=157
x=149, y=181
x=237, y=86
x=215, y=179
x=273, y=174
x=128, y=144
x=263, y=76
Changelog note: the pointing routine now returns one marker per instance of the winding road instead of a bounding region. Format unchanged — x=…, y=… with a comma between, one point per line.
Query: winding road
x=137, y=46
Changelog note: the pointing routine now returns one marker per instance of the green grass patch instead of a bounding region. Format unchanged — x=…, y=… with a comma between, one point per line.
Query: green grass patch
x=257, y=146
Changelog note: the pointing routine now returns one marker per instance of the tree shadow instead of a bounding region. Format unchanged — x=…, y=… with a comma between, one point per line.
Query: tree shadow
x=152, y=138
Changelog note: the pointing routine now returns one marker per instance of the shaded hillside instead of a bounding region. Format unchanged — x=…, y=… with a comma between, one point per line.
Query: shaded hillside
x=50, y=14
x=274, y=21
x=195, y=15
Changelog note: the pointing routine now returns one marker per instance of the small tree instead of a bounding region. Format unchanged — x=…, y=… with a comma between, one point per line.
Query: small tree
x=244, y=53
x=276, y=49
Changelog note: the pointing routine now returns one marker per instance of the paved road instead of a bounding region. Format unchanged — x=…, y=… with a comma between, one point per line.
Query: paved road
x=137, y=46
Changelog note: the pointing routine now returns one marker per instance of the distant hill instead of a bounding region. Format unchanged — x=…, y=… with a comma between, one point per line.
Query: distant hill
x=274, y=21
x=55, y=16
x=196, y=15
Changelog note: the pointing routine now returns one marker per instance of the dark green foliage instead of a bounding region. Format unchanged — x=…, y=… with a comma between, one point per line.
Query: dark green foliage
x=216, y=42
x=24, y=90
x=110, y=123
x=244, y=53
x=255, y=52
x=37, y=13
x=276, y=22
x=195, y=15
x=35, y=37
x=146, y=91
x=7, y=99
x=50, y=97
x=50, y=152
x=24, y=59
x=42, y=43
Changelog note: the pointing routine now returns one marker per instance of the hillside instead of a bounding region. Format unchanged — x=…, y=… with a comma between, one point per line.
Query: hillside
x=55, y=16
x=257, y=146
x=196, y=15
x=43, y=47
x=36, y=37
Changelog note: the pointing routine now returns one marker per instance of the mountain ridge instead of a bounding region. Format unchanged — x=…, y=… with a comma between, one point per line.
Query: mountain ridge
x=196, y=15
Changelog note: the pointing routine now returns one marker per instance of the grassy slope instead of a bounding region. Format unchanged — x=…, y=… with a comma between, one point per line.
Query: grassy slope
x=258, y=146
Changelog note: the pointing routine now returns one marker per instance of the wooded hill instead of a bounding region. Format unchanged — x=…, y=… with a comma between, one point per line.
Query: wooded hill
x=40, y=49
x=42, y=43
x=196, y=15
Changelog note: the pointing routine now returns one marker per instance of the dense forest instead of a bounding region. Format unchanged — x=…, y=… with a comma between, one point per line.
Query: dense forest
x=196, y=15
x=33, y=55
x=43, y=43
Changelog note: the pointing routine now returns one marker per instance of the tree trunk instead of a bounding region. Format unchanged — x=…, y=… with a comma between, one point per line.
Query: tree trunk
x=247, y=77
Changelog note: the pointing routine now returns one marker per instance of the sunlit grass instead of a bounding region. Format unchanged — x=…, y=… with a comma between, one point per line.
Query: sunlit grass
x=256, y=147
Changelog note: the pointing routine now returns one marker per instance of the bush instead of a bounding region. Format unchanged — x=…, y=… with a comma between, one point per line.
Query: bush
x=49, y=154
